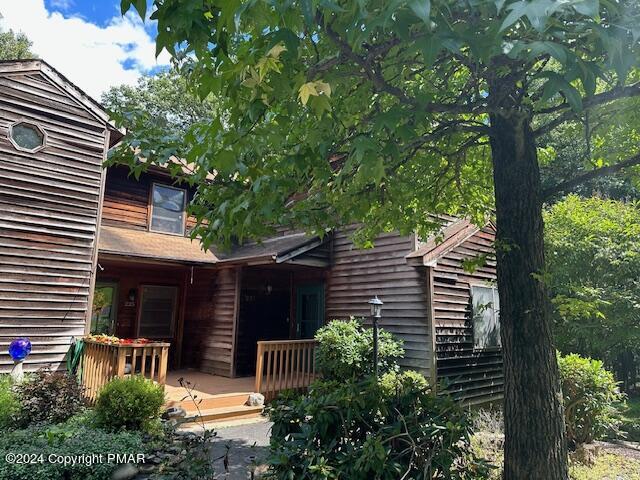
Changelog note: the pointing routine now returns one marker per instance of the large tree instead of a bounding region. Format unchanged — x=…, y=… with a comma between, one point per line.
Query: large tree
x=164, y=99
x=384, y=112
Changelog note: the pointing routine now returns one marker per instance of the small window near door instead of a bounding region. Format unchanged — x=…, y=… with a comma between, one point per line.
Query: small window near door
x=167, y=209
x=486, y=317
x=157, y=311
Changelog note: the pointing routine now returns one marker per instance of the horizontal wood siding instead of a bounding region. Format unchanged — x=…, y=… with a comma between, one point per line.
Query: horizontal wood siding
x=209, y=321
x=49, y=203
x=472, y=376
x=126, y=200
x=357, y=275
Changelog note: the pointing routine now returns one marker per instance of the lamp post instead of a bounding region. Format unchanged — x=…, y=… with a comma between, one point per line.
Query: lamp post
x=376, y=314
x=19, y=349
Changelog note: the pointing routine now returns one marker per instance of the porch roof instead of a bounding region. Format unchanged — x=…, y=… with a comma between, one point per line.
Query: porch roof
x=289, y=248
x=150, y=245
x=279, y=249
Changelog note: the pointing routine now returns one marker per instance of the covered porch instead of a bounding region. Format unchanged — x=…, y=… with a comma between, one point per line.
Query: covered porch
x=236, y=323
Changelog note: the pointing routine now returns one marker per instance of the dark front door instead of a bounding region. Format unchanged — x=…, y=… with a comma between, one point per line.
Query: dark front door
x=309, y=309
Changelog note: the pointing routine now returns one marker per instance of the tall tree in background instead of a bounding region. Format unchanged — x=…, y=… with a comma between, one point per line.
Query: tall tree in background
x=164, y=99
x=593, y=259
x=14, y=46
x=382, y=112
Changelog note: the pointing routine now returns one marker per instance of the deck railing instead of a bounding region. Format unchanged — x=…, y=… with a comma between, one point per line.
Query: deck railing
x=284, y=365
x=104, y=361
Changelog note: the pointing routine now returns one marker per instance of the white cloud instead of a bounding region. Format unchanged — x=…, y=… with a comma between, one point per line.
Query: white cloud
x=89, y=55
x=62, y=4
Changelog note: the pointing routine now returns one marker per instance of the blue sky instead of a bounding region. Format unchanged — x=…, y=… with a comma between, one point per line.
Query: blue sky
x=88, y=41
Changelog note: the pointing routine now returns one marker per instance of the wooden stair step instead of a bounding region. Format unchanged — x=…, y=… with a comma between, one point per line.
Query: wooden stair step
x=224, y=413
x=215, y=401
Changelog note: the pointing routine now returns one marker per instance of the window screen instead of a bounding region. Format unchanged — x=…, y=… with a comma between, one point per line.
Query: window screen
x=167, y=209
x=486, y=317
x=157, y=311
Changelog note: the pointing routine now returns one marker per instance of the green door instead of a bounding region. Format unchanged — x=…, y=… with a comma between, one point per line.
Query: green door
x=309, y=309
x=103, y=314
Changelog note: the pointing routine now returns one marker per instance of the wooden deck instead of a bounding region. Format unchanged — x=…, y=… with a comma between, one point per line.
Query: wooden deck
x=205, y=385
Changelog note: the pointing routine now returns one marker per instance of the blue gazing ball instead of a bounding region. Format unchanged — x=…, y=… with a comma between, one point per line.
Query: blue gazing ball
x=20, y=348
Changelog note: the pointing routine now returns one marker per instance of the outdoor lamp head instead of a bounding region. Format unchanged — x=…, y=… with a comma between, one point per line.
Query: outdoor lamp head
x=376, y=307
x=19, y=349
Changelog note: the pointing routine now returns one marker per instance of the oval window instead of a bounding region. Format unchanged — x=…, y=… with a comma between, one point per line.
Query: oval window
x=26, y=136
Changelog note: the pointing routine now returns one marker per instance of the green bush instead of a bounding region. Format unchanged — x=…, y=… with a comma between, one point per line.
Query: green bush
x=402, y=382
x=131, y=403
x=345, y=350
x=361, y=429
x=49, y=397
x=631, y=420
x=9, y=404
x=591, y=399
x=46, y=446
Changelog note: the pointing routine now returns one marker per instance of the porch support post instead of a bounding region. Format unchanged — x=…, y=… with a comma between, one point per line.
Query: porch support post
x=259, y=367
x=236, y=319
x=180, y=327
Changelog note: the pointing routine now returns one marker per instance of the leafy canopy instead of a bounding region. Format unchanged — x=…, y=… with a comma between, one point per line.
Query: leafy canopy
x=593, y=259
x=375, y=111
x=163, y=98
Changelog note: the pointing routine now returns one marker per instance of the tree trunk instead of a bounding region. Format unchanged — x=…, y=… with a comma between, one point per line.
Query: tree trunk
x=535, y=446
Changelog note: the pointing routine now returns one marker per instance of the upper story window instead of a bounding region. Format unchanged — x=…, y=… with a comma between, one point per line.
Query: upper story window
x=168, y=209
x=486, y=317
x=27, y=137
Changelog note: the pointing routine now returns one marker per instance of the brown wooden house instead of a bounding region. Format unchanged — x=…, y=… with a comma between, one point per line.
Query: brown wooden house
x=151, y=280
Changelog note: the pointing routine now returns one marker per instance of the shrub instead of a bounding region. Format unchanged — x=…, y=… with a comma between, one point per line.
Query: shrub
x=591, y=399
x=70, y=439
x=345, y=350
x=49, y=397
x=9, y=404
x=402, y=383
x=129, y=403
x=361, y=429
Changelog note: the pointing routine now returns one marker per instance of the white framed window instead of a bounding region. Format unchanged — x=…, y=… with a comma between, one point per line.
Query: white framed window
x=157, y=311
x=167, y=209
x=486, y=317
x=27, y=136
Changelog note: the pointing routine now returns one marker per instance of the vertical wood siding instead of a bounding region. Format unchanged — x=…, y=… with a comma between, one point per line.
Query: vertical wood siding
x=209, y=322
x=472, y=376
x=49, y=203
x=357, y=275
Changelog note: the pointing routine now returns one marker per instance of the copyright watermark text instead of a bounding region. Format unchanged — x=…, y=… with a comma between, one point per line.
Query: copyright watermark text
x=82, y=459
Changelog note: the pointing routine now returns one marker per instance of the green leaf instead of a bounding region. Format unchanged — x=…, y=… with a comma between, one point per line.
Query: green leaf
x=517, y=11
x=557, y=83
x=588, y=8
x=125, y=5
x=141, y=7
x=430, y=47
x=307, y=11
x=422, y=9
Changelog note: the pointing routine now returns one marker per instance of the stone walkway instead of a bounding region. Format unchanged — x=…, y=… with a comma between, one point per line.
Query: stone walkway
x=247, y=446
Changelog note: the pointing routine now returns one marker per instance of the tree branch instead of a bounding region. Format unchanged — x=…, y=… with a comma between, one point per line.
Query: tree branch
x=587, y=102
x=381, y=85
x=590, y=175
